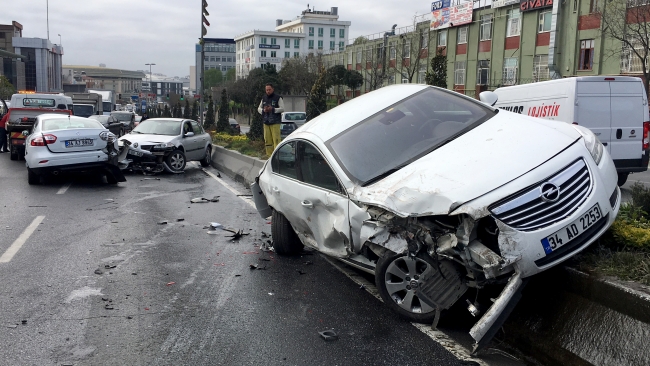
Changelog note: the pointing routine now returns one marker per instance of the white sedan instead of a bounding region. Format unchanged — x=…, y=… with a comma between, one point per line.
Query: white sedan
x=69, y=144
x=439, y=195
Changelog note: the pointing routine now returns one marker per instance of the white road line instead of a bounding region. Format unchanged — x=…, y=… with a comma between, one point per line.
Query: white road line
x=438, y=336
x=15, y=247
x=64, y=188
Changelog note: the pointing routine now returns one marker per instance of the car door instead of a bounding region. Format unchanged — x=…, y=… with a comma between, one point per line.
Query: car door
x=202, y=139
x=592, y=109
x=189, y=142
x=114, y=125
x=627, y=107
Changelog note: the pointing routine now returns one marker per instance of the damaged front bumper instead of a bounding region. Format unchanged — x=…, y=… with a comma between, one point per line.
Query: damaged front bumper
x=144, y=160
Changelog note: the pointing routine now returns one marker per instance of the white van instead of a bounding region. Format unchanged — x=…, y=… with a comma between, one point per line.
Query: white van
x=41, y=100
x=615, y=108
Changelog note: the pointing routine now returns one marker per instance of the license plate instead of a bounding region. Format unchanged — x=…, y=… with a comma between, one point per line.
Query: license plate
x=135, y=152
x=573, y=230
x=79, y=143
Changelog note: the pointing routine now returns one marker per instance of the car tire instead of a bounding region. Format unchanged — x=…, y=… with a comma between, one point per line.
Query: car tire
x=33, y=178
x=205, y=162
x=285, y=240
x=110, y=179
x=175, y=162
x=13, y=154
x=622, y=178
x=399, y=263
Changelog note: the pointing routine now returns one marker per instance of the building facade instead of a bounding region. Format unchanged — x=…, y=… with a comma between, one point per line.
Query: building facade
x=96, y=77
x=318, y=32
x=505, y=43
x=12, y=65
x=219, y=54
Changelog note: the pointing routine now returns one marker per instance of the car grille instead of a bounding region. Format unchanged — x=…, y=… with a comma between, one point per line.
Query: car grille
x=528, y=210
x=146, y=147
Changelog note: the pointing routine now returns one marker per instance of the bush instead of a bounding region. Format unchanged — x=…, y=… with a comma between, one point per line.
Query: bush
x=241, y=143
x=641, y=197
x=631, y=235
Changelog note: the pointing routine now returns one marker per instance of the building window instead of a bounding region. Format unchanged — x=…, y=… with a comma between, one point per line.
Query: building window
x=274, y=54
x=296, y=43
x=287, y=43
x=311, y=31
x=287, y=54
x=512, y=22
x=422, y=73
x=206, y=58
x=391, y=51
x=483, y=72
x=586, y=54
x=341, y=33
x=462, y=35
x=359, y=55
x=296, y=54
x=368, y=53
x=407, y=50
x=262, y=40
x=212, y=59
x=332, y=45
x=273, y=40
x=540, y=68
x=311, y=44
x=341, y=46
x=510, y=71
x=544, y=22
x=459, y=72
x=350, y=57
x=442, y=38
x=320, y=45
x=262, y=53
x=320, y=32
x=630, y=62
x=486, y=27
x=332, y=32
x=424, y=40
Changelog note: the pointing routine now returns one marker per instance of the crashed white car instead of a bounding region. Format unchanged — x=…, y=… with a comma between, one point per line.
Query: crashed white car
x=435, y=193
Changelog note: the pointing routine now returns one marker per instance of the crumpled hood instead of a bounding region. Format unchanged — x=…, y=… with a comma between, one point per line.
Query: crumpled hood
x=144, y=139
x=483, y=159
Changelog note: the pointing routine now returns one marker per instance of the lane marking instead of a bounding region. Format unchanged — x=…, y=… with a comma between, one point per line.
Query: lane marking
x=15, y=247
x=231, y=189
x=64, y=188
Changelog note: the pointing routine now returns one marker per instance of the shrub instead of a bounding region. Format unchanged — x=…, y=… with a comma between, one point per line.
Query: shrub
x=241, y=143
x=631, y=235
x=641, y=197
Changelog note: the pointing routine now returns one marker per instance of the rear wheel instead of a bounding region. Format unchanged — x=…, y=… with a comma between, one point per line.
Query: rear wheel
x=32, y=178
x=176, y=161
x=205, y=162
x=622, y=178
x=13, y=154
x=285, y=240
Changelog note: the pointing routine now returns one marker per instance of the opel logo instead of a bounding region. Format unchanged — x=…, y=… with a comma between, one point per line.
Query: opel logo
x=550, y=192
x=135, y=145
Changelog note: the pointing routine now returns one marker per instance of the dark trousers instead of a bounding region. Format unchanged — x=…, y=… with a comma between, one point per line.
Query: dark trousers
x=3, y=139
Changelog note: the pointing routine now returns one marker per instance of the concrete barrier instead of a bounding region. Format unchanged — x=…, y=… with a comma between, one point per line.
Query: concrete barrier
x=565, y=317
x=240, y=167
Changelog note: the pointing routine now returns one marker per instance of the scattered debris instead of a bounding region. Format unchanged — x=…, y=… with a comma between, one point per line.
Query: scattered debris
x=308, y=263
x=133, y=273
x=98, y=271
x=215, y=225
x=215, y=199
x=109, y=266
x=150, y=179
x=162, y=223
x=170, y=283
x=129, y=317
x=212, y=232
x=105, y=299
x=254, y=266
x=199, y=200
x=329, y=335
x=271, y=293
x=109, y=307
x=236, y=234
x=265, y=260
x=23, y=322
x=237, y=275
x=12, y=326
x=179, y=220
x=109, y=200
x=265, y=235
x=301, y=271
x=362, y=287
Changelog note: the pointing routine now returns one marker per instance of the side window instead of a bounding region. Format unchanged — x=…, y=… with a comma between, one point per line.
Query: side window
x=197, y=129
x=284, y=160
x=315, y=170
x=187, y=128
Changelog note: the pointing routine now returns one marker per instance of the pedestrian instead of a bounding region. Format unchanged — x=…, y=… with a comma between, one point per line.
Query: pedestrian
x=3, y=133
x=271, y=108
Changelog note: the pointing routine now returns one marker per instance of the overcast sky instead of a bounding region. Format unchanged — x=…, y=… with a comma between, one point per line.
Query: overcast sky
x=126, y=34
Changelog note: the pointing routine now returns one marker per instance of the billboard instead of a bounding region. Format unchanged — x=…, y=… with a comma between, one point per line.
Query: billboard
x=501, y=3
x=530, y=5
x=443, y=15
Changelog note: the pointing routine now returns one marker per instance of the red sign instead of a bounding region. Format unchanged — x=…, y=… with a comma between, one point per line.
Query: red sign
x=530, y=5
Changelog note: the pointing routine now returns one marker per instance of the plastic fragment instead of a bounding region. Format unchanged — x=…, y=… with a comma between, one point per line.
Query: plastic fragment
x=329, y=335
x=179, y=220
x=199, y=200
x=98, y=271
x=215, y=225
x=162, y=223
x=254, y=266
x=170, y=283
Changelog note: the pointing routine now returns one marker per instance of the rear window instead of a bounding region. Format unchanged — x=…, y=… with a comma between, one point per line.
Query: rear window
x=38, y=102
x=68, y=123
x=289, y=116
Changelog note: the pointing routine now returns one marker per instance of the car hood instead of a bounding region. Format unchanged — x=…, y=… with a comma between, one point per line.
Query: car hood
x=498, y=151
x=145, y=139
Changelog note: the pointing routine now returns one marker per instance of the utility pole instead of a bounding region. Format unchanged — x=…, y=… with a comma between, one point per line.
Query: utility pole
x=204, y=13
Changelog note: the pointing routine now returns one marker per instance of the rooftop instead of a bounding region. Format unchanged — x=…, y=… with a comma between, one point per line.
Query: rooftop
x=105, y=72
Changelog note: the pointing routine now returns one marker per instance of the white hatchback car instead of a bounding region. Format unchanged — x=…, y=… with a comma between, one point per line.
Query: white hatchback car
x=60, y=144
x=436, y=193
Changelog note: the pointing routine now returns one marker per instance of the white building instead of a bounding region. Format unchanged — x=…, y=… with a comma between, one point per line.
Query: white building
x=312, y=32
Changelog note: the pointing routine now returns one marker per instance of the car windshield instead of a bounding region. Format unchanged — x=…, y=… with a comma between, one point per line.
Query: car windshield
x=102, y=119
x=404, y=132
x=122, y=116
x=159, y=127
x=68, y=123
x=295, y=116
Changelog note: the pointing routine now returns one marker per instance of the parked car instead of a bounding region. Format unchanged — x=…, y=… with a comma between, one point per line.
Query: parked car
x=234, y=125
x=286, y=128
x=111, y=123
x=299, y=118
x=166, y=143
x=437, y=193
x=126, y=118
x=63, y=144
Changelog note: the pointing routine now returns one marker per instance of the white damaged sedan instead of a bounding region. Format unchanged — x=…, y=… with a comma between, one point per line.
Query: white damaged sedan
x=436, y=193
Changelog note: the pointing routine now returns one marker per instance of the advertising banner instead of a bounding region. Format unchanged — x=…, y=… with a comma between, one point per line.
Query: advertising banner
x=461, y=14
x=530, y=5
x=440, y=14
x=443, y=15
x=501, y=3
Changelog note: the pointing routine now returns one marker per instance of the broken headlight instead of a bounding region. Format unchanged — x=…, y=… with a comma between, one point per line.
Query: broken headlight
x=591, y=142
x=164, y=146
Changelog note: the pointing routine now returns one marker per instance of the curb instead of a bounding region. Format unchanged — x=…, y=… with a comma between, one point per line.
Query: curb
x=565, y=316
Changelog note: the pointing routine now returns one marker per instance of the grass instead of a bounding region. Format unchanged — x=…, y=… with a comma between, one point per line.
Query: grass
x=625, y=265
x=242, y=144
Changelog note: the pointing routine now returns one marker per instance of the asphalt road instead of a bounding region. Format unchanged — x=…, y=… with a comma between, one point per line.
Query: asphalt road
x=96, y=278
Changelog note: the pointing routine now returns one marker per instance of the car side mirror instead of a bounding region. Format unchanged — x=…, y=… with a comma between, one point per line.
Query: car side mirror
x=189, y=134
x=489, y=98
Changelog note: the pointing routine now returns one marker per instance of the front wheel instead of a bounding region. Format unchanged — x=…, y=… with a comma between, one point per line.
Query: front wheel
x=175, y=161
x=622, y=178
x=285, y=240
x=205, y=162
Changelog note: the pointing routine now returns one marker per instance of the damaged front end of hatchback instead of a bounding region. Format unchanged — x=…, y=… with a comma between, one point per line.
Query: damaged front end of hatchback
x=149, y=159
x=426, y=264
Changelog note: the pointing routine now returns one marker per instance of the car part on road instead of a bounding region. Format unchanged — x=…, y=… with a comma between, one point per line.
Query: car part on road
x=329, y=335
x=175, y=162
x=285, y=240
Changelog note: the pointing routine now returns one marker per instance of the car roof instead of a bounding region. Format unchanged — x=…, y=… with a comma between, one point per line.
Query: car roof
x=57, y=116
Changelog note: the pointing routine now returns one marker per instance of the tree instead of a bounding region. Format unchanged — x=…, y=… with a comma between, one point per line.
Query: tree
x=231, y=74
x=223, y=125
x=186, y=111
x=177, y=110
x=317, y=101
x=336, y=77
x=6, y=88
x=626, y=21
x=408, y=53
x=166, y=112
x=212, y=78
x=377, y=73
x=438, y=74
x=209, y=115
x=195, y=110
x=299, y=74
x=353, y=80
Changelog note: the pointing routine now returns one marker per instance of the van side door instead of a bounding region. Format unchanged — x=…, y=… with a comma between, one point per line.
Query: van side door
x=627, y=115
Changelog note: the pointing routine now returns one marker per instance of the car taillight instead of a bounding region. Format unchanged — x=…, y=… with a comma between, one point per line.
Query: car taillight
x=43, y=140
x=24, y=119
x=646, y=135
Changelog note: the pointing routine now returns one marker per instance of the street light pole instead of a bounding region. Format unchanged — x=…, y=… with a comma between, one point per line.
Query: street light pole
x=60, y=42
x=150, y=87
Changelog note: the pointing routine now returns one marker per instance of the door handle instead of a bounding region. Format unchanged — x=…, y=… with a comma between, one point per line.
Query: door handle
x=619, y=133
x=307, y=204
x=604, y=144
x=276, y=190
